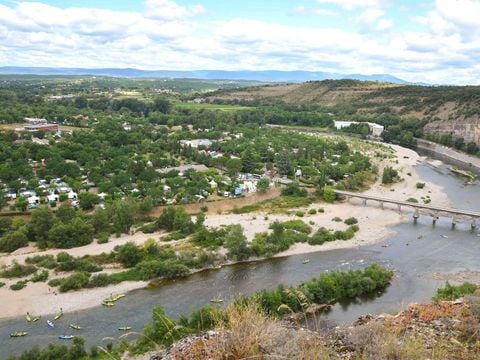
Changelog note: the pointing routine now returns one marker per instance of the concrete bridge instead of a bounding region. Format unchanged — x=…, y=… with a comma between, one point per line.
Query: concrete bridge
x=431, y=210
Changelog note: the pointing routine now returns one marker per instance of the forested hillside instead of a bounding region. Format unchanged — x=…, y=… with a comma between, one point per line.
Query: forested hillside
x=446, y=113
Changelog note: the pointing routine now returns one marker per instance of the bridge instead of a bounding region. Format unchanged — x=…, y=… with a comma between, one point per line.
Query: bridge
x=431, y=210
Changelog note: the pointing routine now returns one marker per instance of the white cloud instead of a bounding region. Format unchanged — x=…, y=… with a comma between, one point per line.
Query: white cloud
x=352, y=4
x=166, y=35
x=169, y=10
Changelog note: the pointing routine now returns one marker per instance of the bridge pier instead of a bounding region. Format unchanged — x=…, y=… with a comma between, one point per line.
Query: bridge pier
x=416, y=215
x=364, y=202
x=454, y=221
x=399, y=208
x=381, y=205
x=434, y=218
x=474, y=223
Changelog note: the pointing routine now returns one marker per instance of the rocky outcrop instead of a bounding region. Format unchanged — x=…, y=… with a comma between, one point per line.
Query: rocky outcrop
x=465, y=128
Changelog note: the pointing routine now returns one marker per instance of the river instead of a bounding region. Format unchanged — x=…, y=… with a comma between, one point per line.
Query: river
x=440, y=249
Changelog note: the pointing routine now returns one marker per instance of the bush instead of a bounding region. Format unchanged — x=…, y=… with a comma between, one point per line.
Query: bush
x=312, y=212
x=300, y=214
x=337, y=219
x=420, y=185
x=297, y=225
x=13, y=241
x=2, y=284
x=329, y=195
x=412, y=200
x=351, y=221
x=75, y=281
x=294, y=190
x=453, y=292
x=18, y=270
x=55, y=282
x=204, y=208
x=149, y=228
x=64, y=257
x=389, y=175
x=128, y=254
x=79, y=265
x=45, y=261
x=102, y=238
x=19, y=285
x=41, y=276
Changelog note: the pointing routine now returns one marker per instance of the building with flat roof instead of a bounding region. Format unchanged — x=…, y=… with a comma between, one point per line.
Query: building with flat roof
x=37, y=124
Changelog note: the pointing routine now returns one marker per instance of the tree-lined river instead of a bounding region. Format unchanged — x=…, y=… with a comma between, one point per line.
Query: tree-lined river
x=439, y=249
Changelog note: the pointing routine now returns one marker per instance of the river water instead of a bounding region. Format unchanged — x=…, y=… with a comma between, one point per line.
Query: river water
x=439, y=249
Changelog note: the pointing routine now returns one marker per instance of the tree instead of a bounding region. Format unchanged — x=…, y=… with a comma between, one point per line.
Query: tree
x=236, y=243
x=13, y=241
x=249, y=162
x=146, y=205
x=234, y=166
x=329, y=194
x=162, y=105
x=389, y=175
x=40, y=224
x=284, y=165
x=75, y=233
x=65, y=213
x=88, y=200
x=100, y=221
x=128, y=254
x=263, y=185
x=21, y=204
x=122, y=214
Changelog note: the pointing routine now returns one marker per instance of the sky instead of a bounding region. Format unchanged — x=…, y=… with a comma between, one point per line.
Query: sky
x=432, y=41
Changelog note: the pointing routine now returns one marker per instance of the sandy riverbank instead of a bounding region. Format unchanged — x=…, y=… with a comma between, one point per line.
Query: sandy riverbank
x=374, y=226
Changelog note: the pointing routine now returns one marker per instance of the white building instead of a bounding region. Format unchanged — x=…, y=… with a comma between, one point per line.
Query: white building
x=374, y=128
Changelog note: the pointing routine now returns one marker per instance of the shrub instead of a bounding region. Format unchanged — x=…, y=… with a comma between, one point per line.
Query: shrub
x=13, y=241
x=41, y=276
x=329, y=195
x=453, y=292
x=300, y=214
x=420, y=185
x=412, y=200
x=351, y=221
x=75, y=281
x=149, y=228
x=19, y=285
x=312, y=212
x=337, y=219
x=102, y=238
x=63, y=257
x=45, y=261
x=294, y=190
x=55, y=282
x=18, y=270
x=128, y=254
x=2, y=284
x=297, y=225
x=389, y=175
x=204, y=208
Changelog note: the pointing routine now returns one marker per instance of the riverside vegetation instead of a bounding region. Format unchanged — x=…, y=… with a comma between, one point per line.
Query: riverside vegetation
x=164, y=331
x=253, y=327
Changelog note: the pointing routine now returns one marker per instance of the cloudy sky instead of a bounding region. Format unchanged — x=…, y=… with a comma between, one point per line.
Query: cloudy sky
x=435, y=41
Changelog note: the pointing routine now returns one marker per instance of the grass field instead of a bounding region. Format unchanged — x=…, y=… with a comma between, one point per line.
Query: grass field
x=213, y=106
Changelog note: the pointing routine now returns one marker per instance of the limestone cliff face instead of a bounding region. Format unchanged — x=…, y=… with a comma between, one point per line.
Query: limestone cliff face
x=468, y=129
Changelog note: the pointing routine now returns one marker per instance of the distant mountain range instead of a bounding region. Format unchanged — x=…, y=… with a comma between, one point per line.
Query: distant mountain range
x=262, y=75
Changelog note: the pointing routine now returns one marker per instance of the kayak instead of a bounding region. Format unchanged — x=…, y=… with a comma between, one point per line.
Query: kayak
x=125, y=328
x=217, y=267
x=112, y=298
x=118, y=297
x=66, y=337
x=306, y=261
x=28, y=317
x=35, y=319
x=19, y=334
x=50, y=323
x=58, y=316
x=75, y=327
x=108, y=303
x=216, y=301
